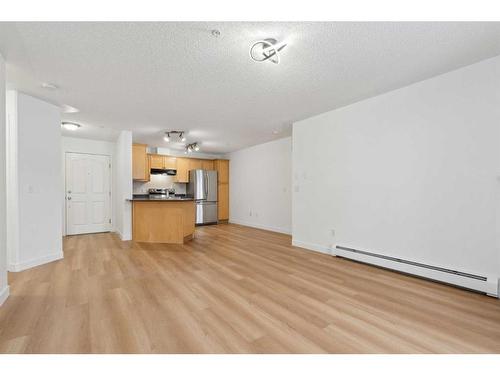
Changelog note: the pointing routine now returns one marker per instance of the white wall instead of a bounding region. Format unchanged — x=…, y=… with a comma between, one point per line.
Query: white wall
x=414, y=173
x=12, y=177
x=123, y=188
x=86, y=146
x=259, y=186
x=4, y=288
x=38, y=182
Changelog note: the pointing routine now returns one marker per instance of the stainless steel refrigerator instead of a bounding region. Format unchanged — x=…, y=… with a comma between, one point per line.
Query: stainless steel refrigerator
x=202, y=187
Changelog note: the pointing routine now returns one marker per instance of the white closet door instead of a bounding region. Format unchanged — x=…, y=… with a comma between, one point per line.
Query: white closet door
x=88, y=194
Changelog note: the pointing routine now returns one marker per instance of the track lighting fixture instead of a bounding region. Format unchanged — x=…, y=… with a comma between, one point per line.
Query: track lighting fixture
x=182, y=137
x=192, y=147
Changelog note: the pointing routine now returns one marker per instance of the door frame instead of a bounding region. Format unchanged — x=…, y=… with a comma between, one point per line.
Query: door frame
x=111, y=203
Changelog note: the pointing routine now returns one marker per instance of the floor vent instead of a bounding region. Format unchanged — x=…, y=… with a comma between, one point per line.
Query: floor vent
x=481, y=283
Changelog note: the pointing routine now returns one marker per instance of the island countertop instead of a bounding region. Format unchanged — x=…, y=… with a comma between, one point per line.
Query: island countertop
x=156, y=199
x=152, y=199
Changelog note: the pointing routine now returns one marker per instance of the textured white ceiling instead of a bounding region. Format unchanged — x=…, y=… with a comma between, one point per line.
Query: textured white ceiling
x=152, y=77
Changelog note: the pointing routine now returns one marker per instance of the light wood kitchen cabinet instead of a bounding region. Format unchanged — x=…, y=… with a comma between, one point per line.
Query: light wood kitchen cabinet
x=170, y=162
x=162, y=161
x=223, y=202
x=194, y=164
x=140, y=162
x=207, y=164
x=182, y=170
x=156, y=161
x=222, y=168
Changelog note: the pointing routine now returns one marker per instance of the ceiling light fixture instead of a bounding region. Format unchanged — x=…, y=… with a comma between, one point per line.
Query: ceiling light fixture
x=49, y=86
x=71, y=126
x=167, y=137
x=192, y=147
x=69, y=109
x=266, y=49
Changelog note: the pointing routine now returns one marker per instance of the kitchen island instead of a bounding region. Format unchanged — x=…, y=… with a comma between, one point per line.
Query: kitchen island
x=163, y=220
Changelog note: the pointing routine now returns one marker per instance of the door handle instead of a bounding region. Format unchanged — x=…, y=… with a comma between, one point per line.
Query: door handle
x=69, y=198
x=206, y=185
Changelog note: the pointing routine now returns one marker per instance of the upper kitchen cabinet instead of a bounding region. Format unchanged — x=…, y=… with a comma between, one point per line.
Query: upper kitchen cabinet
x=207, y=164
x=195, y=164
x=140, y=163
x=169, y=162
x=182, y=170
x=184, y=165
x=222, y=168
x=156, y=161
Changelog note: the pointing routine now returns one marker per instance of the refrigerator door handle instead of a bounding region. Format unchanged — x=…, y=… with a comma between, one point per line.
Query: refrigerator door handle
x=205, y=176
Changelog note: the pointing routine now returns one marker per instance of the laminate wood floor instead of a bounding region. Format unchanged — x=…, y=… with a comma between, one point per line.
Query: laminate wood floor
x=234, y=289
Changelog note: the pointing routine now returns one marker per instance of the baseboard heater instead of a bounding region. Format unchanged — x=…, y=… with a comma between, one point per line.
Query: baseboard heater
x=483, y=283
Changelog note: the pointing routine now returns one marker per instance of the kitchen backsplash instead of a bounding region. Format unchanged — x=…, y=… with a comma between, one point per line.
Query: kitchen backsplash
x=159, y=181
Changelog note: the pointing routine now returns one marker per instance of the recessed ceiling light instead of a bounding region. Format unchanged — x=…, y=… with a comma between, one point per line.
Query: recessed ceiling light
x=49, y=86
x=71, y=126
x=69, y=109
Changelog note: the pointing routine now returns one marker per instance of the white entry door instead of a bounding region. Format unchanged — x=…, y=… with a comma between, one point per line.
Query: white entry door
x=88, y=194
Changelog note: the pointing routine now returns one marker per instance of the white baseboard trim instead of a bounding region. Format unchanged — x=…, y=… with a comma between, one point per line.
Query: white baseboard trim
x=4, y=294
x=127, y=238
x=312, y=246
x=21, y=266
x=258, y=226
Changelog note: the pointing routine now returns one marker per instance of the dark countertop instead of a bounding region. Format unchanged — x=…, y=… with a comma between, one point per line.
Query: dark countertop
x=146, y=197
